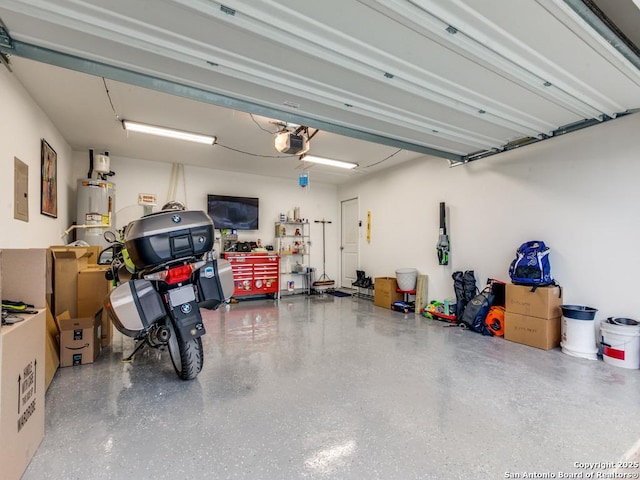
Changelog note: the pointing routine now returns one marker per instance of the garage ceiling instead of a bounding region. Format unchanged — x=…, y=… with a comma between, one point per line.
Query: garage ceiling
x=457, y=79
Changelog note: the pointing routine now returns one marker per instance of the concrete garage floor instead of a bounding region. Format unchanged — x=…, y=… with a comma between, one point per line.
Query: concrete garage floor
x=327, y=387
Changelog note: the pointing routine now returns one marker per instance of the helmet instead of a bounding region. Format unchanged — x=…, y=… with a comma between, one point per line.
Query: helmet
x=173, y=205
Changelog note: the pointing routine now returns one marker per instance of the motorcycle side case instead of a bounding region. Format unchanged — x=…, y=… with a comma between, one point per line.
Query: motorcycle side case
x=164, y=236
x=215, y=284
x=134, y=306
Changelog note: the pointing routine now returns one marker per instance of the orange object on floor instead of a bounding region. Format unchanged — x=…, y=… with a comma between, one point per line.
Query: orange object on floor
x=495, y=320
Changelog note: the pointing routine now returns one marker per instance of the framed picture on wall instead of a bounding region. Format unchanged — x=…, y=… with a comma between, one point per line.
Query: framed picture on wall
x=49, y=181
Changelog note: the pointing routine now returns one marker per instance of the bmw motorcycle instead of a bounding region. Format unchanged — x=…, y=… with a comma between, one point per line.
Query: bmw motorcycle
x=164, y=270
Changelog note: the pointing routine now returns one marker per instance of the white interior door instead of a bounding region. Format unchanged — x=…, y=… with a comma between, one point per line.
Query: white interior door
x=349, y=242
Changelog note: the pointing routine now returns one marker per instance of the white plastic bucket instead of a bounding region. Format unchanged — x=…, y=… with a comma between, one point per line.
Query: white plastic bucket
x=578, y=334
x=621, y=342
x=406, y=278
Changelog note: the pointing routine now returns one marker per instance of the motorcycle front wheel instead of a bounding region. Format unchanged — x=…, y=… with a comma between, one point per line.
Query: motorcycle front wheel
x=187, y=356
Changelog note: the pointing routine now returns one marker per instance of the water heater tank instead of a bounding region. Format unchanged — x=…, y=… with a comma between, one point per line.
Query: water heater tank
x=95, y=206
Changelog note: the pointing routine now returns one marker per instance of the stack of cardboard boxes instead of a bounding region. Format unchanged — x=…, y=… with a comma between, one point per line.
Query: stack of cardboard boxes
x=532, y=316
x=25, y=358
x=68, y=280
x=79, y=289
x=67, y=262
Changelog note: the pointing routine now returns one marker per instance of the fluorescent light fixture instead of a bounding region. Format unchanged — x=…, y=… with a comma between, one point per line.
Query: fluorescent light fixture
x=168, y=132
x=328, y=161
x=637, y=2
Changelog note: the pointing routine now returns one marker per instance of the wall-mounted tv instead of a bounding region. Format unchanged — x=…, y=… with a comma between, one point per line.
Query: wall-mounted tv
x=239, y=213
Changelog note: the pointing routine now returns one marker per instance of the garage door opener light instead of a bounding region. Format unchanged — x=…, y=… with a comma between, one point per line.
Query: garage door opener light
x=168, y=132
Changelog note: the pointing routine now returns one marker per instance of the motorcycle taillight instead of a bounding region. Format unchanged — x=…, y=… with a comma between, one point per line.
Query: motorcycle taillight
x=174, y=275
x=178, y=274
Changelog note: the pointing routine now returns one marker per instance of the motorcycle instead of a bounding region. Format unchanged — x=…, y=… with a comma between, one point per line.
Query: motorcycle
x=164, y=270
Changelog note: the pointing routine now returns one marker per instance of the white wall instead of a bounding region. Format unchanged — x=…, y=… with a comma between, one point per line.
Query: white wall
x=22, y=126
x=276, y=195
x=578, y=192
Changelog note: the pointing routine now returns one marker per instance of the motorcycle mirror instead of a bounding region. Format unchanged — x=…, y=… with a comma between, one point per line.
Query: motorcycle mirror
x=110, y=237
x=106, y=256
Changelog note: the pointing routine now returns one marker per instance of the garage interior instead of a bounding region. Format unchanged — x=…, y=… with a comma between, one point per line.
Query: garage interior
x=521, y=116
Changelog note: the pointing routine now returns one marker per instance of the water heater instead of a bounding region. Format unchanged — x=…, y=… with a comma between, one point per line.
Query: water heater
x=95, y=206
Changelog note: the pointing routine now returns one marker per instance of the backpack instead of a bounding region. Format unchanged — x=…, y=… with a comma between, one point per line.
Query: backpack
x=476, y=311
x=531, y=265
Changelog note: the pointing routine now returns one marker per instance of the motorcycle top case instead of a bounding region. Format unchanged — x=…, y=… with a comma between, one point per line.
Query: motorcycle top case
x=215, y=284
x=134, y=306
x=164, y=236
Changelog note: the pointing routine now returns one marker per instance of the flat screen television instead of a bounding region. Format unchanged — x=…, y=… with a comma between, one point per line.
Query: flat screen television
x=239, y=213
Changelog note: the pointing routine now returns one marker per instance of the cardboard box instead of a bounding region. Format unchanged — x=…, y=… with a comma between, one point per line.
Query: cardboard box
x=106, y=327
x=67, y=262
x=22, y=408
x=93, y=287
x=51, y=360
x=544, y=302
x=52, y=349
x=24, y=276
x=79, y=340
x=536, y=332
x=384, y=292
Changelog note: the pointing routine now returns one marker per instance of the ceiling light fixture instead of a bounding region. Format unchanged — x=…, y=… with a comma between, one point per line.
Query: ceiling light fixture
x=328, y=161
x=168, y=132
x=637, y=2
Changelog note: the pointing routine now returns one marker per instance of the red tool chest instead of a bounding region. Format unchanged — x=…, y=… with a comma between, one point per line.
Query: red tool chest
x=254, y=273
